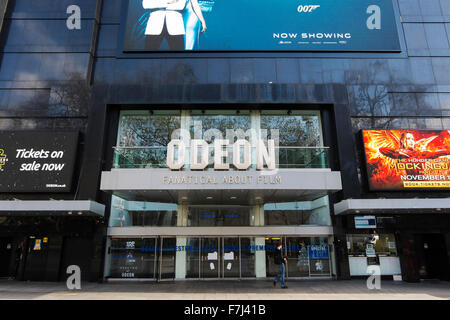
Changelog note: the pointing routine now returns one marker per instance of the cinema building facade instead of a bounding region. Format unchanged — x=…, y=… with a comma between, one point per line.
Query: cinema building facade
x=215, y=210
x=138, y=163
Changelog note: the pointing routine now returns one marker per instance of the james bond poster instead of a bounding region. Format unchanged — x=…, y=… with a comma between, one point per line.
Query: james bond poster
x=407, y=159
x=260, y=25
x=37, y=161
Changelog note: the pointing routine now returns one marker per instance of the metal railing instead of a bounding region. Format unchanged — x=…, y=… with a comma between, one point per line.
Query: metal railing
x=155, y=157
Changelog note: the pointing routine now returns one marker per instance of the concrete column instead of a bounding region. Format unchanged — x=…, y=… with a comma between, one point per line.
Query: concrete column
x=180, y=259
x=182, y=215
x=107, y=266
x=260, y=258
x=260, y=255
x=332, y=255
x=258, y=213
x=180, y=255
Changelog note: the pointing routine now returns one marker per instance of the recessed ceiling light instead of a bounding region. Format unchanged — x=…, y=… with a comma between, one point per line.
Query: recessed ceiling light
x=80, y=213
x=233, y=198
x=209, y=198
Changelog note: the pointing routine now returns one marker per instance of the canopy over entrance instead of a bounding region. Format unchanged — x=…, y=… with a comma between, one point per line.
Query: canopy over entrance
x=221, y=187
x=357, y=206
x=51, y=208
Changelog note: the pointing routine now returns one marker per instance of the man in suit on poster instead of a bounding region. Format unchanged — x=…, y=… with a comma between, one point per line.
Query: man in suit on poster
x=165, y=21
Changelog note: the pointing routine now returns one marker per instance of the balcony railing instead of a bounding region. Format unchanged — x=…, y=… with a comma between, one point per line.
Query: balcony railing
x=287, y=157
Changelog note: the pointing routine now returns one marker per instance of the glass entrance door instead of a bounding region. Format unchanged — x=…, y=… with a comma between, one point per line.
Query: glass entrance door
x=209, y=258
x=231, y=262
x=167, y=258
x=229, y=257
x=193, y=258
x=206, y=258
x=271, y=244
x=247, y=257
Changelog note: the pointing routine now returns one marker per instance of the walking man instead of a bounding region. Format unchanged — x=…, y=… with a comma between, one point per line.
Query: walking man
x=281, y=261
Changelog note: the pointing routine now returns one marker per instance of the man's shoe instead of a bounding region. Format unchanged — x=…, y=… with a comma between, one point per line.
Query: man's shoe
x=285, y=287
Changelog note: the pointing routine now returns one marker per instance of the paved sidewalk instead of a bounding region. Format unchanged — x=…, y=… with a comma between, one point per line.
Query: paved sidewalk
x=226, y=290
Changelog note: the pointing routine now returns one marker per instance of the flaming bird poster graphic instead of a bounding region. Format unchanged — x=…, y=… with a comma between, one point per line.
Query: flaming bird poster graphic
x=407, y=159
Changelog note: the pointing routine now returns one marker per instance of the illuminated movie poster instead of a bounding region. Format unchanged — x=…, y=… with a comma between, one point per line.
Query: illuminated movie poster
x=254, y=25
x=407, y=159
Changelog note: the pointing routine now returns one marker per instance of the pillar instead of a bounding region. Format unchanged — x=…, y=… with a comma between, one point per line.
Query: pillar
x=180, y=255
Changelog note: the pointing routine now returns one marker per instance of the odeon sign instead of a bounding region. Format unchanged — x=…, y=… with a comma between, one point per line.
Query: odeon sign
x=240, y=147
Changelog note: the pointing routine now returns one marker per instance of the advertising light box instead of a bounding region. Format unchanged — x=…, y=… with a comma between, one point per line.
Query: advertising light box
x=365, y=222
x=34, y=161
x=260, y=25
x=407, y=159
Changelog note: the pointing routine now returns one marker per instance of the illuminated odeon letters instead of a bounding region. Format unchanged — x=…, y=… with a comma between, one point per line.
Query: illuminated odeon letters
x=199, y=154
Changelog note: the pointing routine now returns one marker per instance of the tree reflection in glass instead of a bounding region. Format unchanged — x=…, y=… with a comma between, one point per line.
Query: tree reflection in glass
x=152, y=132
x=295, y=129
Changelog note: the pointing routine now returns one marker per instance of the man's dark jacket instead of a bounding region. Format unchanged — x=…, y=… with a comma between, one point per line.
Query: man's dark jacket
x=278, y=259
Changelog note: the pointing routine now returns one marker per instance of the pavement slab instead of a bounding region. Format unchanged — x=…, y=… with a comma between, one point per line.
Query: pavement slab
x=226, y=290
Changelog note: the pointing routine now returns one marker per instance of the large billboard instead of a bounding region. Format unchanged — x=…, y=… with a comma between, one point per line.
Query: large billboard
x=34, y=161
x=407, y=159
x=260, y=25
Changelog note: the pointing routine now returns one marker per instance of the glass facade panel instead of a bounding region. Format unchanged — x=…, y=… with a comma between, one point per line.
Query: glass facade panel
x=307, y=256
x=219, y=216
x=383, y=244
x=133, y=258
x=168, y=258
x=193, y=258
x=147, y=128
x=215, y=257
x=231, y=258
x=137, y=213
x=298, y=213
x=295, y=132
x=220, y=124
x=210, y=258
x=248, y=262
x=319, y=257
x=296, y=128
x=270, y=246
x=298, y=258
x=47, y=36
x=143, y=137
